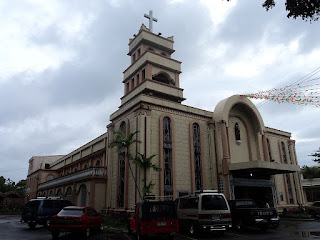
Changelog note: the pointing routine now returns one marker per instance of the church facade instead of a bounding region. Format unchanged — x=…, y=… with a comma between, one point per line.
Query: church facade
x=228, y=149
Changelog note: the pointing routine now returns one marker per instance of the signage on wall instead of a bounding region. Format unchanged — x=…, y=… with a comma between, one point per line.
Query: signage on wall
x=251, y=182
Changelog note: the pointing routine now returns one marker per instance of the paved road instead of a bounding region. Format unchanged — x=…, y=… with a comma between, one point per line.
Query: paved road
x=12, y=229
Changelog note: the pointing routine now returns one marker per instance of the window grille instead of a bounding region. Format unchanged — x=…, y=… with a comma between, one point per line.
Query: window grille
x=289, y=188
x=269, y=150
x=122, y=169
x=284, y=155
x=167, y=155
x=197, y=156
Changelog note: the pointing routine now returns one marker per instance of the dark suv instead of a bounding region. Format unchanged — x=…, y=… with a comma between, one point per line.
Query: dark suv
x=40, y=210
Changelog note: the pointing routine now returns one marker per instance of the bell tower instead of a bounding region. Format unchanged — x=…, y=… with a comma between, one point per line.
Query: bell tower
x=152, y=71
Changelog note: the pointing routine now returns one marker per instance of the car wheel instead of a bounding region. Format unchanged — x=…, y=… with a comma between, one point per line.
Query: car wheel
x=87, y=232
x=32, y=225
x=55, y=234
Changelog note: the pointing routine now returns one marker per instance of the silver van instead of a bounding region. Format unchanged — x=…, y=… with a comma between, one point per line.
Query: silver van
x=204, y=211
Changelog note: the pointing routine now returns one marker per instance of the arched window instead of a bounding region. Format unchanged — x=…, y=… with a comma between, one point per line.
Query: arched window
x=69, y=195
x=289, y=188
x=122, y=169
x=284, y=155
x=51, y=193
x=59, y=193
x=83, y=195
x=98, y=163
x=237, y=132
x=197, y=156
x=167, y=157
x=269, y=150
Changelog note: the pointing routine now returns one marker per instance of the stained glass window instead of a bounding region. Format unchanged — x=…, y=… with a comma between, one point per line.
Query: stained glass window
x=269, y=150
x=122, y=169
x=289, y=188
x=284, y=155
x=167, y=157
x=197, y=156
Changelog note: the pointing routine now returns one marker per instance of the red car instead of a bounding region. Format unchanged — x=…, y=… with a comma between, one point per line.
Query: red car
x=75, y=219
x=154, y=218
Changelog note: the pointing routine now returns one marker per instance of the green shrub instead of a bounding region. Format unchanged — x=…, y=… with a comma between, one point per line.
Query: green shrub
x=114, y=223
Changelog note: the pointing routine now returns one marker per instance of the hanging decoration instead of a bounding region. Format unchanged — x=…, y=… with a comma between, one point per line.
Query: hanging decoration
x=304, y=92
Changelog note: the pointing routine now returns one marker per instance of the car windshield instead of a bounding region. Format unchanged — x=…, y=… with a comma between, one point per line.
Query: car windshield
x=214, y=202
x=158, y=210
x=71, y=211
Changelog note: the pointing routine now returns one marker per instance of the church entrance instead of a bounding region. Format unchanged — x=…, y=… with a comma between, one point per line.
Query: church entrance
x=260, y=194
x=260, y=190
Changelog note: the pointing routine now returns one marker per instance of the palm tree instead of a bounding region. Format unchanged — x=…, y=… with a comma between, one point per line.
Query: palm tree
x=310, y=173
x=146, y=163
x=123, y=143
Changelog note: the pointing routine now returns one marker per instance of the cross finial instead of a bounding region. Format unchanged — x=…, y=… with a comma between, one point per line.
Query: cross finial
x=151, y=18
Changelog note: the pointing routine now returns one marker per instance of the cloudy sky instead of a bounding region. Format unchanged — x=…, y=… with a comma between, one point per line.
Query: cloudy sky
x=62, y=63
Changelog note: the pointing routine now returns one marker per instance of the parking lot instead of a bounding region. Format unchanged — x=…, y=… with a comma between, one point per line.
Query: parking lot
x=11, y=229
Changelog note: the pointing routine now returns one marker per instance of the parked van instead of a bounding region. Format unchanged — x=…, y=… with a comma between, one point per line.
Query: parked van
x=205, y=210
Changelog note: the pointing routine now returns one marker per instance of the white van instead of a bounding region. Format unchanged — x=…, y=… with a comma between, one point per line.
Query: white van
x=205, y=210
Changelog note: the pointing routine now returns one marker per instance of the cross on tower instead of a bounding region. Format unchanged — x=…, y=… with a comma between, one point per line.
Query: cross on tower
x=151, y=18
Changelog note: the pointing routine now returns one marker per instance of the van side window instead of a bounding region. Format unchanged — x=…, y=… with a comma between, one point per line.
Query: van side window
x=188, y=203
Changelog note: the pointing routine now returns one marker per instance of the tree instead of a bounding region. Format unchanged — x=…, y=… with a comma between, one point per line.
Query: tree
x=7, y=185
x=146, y=163
x=308, y=10
x=21, y=186
x=316, y=154
x=310, y=173
x=123, y=142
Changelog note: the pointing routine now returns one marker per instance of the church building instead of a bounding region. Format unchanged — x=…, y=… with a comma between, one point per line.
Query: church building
x=227, y=149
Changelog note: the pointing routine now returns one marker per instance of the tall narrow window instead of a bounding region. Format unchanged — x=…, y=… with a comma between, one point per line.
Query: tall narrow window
x=237, y=132
x=83, y=192
x=290, y=154
x=59, y=193
x=167, y=155
x=122, y=170
x=197, y=156
x=284, y=155
x=143, y=74
x=69, y=195
x=289, y=188
x=269, y=150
